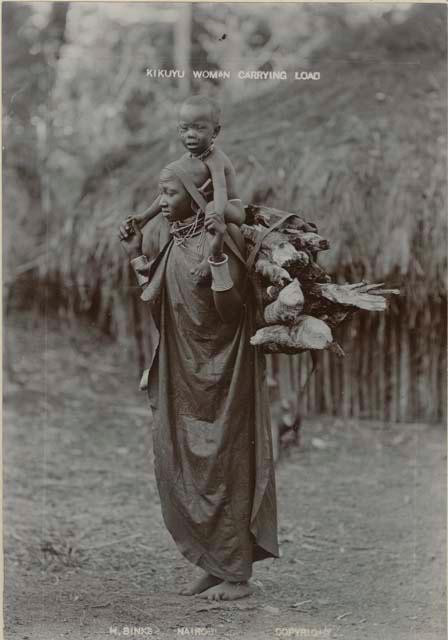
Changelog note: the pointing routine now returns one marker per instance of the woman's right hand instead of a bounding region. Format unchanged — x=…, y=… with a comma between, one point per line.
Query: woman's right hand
x=130, y=238
x=126, y=227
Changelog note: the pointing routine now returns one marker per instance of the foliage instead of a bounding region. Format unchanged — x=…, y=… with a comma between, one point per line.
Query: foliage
x=362, y=152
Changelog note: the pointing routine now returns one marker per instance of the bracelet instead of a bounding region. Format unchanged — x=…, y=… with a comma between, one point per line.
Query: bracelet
x=140, y=267
x=221, y=279
x=140, y=262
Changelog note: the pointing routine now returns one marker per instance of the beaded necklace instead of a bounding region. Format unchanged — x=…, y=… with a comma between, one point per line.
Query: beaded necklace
x=182, y=232
x=204, y=154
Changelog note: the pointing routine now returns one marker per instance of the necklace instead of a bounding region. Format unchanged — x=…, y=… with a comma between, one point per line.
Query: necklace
x=204, y=154
x=182, y=232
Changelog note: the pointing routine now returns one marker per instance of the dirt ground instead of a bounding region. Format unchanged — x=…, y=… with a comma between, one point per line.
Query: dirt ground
x=361, y=516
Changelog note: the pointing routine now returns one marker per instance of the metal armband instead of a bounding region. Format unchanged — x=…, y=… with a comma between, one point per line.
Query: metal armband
x=140, y=266
x=221, y=279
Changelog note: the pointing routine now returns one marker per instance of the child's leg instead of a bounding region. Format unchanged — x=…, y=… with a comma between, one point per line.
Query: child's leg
x=234, y=213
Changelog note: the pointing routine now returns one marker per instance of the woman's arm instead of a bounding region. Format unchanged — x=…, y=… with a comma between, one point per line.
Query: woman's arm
x=141, y=219
x=229, y=302
x=131, y=241
x=130, y=238
x=216, y=167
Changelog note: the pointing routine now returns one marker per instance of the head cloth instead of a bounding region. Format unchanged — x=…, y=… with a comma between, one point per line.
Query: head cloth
x=191, y=173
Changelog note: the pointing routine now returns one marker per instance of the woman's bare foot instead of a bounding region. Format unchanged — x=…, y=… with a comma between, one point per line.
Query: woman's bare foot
x=228, y=591
x=202, y=273
x=200, y=584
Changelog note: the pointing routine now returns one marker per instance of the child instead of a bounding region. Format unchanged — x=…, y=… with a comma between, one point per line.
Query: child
x=198, y=128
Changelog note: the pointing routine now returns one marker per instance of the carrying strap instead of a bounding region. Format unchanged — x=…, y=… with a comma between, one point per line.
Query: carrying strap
x=189, y=185
x=197, y=196
x=232, y=244
x=262, y=235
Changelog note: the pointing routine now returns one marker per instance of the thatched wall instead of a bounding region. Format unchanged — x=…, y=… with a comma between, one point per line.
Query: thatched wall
x=363, y=154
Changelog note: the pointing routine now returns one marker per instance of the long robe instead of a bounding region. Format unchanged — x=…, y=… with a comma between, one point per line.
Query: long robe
x=212, y=438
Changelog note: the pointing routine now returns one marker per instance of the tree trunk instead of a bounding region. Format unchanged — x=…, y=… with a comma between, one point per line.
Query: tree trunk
x=182, y=45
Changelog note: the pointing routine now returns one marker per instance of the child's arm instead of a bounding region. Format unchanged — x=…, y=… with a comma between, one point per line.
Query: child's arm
x=216, y=167
x=234, y=211
x=224, y=188
x=142, y=218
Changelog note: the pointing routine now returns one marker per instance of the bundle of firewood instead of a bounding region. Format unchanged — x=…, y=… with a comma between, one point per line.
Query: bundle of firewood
x=300, y=304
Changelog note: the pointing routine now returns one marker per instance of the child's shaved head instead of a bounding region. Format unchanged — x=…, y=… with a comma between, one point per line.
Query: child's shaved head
x=205, y=103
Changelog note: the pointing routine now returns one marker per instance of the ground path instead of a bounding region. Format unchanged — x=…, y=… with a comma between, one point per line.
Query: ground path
x=361, y=517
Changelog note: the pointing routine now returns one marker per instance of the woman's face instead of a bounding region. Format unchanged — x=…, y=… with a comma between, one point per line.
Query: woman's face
x=175, y=202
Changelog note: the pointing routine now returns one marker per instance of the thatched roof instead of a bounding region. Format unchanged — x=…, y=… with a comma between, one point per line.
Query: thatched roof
x=362, y=152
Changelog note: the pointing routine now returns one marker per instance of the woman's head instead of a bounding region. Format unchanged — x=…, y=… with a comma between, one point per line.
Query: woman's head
x=175, y=201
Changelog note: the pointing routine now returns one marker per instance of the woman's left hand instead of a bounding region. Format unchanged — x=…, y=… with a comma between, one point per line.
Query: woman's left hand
x=215, y=226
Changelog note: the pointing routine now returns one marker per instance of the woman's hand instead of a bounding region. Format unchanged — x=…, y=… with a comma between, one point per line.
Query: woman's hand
x=215, y=226
x=126, y=228
x=130, y=238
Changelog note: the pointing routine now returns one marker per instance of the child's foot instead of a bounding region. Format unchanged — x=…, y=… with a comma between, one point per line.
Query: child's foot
x=228, y=591
x=202, y=273
x=199, y=585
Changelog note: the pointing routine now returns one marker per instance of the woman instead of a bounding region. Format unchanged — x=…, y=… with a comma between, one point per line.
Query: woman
x=206, y=385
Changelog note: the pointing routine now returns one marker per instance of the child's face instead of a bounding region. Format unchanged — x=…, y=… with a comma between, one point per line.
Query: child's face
x=196, y=128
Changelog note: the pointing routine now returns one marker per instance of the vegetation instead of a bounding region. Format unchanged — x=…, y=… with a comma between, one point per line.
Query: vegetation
x=362, y=152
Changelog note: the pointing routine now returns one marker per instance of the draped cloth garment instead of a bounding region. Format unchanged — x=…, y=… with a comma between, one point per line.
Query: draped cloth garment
x=212, y=438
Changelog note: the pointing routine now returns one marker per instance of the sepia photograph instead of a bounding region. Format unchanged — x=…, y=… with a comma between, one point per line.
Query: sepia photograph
x=224, y=320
